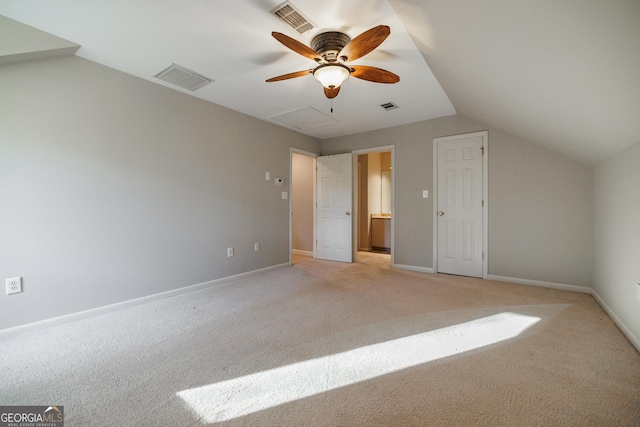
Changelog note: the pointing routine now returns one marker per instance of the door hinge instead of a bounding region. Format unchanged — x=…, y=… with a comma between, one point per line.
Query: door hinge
x=483, y=203
x=482, y=150
x=482, y=255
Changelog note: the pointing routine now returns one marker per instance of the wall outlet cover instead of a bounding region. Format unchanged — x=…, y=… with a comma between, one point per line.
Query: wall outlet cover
x=14, y=285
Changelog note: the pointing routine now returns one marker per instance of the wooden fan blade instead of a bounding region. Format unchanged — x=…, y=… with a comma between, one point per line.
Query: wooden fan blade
x=296, y=46
x=364, y=43
x=290, y=76
x=331, y=93
x=373, y=74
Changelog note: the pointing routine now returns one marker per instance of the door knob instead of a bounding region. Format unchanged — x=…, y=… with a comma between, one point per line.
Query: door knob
x=348, y=213
x=441, y=213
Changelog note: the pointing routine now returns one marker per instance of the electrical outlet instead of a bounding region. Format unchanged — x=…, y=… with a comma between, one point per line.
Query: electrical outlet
x=267, y=176
x=256, y=247
x=229, y=252
x=14, y=285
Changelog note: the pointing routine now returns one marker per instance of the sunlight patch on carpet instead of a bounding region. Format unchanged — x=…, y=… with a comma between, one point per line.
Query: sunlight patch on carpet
x=245, y=395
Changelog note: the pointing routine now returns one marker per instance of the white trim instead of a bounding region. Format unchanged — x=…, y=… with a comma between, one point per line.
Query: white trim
x=541, y=284
x=356, y=185
x=635, y=341
x=485, y=196
x=355, y=206
x=412, y=268
x=301, y=252
x=85, y=314
x=303, y=152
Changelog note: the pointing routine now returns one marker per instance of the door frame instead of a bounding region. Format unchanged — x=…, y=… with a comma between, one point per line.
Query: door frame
x=314, y=156
x=485, y=197
x=356, y=186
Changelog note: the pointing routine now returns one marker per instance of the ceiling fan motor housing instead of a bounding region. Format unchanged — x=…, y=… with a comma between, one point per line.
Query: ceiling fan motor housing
x=329, y=44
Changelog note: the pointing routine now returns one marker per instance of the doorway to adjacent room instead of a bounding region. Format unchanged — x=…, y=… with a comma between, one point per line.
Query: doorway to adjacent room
x=374, y=189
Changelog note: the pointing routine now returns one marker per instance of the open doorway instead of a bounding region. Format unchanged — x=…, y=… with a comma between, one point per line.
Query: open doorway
x=374, y=220
x=302, y=208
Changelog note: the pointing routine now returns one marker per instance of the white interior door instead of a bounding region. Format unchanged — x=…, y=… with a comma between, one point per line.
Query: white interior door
x=460, y=205
x=334, y=198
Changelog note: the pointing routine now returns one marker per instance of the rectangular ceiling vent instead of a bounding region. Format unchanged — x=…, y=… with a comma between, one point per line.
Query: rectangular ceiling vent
x=389, y=106
x=183, y=77
x=291, y=16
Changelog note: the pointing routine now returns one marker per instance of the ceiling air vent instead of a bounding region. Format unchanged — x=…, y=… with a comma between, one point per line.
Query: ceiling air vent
x=291, y=16
x=389, y=106
x=183, y=77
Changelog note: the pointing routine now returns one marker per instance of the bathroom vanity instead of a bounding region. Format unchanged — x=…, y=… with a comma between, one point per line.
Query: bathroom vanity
x=381, y=232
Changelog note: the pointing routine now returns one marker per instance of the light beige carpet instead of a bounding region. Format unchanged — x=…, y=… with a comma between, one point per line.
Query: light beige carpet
x=334, y=344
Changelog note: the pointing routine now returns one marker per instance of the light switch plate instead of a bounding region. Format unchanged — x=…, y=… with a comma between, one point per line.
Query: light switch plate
x=425, y=194
x=285, y=195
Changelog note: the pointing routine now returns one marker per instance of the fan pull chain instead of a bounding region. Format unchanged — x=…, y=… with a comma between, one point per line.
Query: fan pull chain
x=332, y=105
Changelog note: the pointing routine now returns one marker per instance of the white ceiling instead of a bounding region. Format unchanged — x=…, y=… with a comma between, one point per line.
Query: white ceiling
x=231, y=43
x=565, y=74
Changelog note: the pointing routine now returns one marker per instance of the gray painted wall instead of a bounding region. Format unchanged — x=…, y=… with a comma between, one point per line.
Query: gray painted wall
x=115, y=188
x=540, y=203
x=617, y=236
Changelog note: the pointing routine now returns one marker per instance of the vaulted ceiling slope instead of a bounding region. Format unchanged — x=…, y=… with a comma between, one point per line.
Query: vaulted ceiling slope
x=564, y=74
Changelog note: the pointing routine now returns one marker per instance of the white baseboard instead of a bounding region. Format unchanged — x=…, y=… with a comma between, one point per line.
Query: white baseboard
x=42, y=324
x=412, y=268
x=635, y=341
x=528, y=282
x=619, y=323
x=301, y=252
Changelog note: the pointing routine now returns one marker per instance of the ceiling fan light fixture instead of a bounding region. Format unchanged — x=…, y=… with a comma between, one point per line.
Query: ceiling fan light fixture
x=331, y=50
x=331, y=75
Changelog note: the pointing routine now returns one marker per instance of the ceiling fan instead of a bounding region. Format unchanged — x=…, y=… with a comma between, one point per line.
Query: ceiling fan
x=331, y=50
